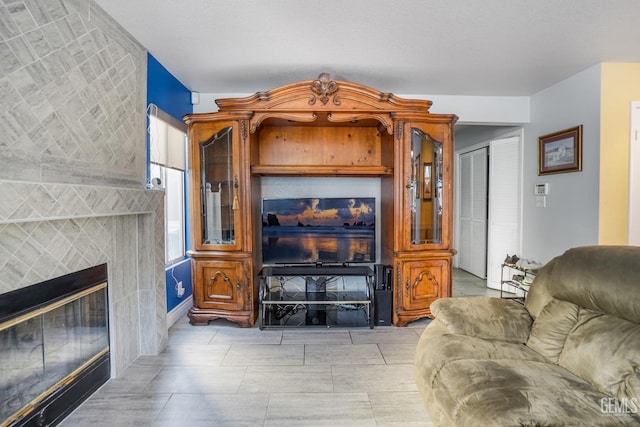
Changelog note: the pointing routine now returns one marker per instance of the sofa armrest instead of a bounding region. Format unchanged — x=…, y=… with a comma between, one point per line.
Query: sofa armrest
x=484, y=317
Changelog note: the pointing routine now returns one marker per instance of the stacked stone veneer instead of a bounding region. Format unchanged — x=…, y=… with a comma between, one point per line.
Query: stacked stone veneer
x=72, y=164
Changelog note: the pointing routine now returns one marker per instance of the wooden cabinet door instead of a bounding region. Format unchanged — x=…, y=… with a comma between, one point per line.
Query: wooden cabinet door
x=221, y=285
x=217, y=186
x=423, y=282
x=427, y=190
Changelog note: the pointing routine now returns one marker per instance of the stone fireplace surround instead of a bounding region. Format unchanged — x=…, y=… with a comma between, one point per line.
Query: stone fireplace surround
x=73, y=162
x=48, y=230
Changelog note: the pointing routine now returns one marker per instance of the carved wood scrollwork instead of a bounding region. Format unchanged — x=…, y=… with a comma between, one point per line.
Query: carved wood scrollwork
x=217, y=276
x=324, y=87
x=416, y=282
x=243, y=130
x=399, y=126
x=247, y=295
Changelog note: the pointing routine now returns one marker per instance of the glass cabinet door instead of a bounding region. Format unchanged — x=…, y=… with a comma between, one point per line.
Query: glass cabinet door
x=219, y=189
x=425, y=189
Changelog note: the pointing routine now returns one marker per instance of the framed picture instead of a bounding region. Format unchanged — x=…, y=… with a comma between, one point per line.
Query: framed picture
x=560, y=151
x=427, y=186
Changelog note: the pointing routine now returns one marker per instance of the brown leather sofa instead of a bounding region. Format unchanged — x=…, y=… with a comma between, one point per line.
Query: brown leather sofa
x=570, y=356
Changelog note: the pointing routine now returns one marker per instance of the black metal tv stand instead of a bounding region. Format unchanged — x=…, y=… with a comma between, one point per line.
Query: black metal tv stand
x=316, y=295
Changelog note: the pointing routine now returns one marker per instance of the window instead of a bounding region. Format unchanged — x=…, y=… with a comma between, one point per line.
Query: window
x=173, y=214
x=167, y=142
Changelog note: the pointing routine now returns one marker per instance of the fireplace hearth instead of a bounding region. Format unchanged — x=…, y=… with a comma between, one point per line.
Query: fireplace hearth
x=54, y=347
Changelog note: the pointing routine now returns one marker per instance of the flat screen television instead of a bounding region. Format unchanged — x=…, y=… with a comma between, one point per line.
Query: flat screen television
x=318, y=230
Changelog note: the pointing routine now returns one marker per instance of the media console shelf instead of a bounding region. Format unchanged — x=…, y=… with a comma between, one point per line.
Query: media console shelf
x=292, y=296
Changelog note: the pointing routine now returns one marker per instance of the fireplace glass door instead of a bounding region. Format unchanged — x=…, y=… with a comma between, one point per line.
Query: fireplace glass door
x=46, y=347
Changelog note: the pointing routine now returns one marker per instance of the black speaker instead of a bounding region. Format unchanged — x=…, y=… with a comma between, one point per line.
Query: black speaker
x=384, y=276
x=379, y=272
x=382, y=307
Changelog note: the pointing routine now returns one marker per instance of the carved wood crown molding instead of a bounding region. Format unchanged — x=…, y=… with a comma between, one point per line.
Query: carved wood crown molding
x=340, y=101
x=324, y=87
x=334, y=96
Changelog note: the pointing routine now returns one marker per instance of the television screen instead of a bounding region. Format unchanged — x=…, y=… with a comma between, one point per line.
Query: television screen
x=318, y=230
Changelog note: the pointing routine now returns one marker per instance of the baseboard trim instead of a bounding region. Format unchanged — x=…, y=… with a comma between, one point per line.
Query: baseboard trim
x=178, y=312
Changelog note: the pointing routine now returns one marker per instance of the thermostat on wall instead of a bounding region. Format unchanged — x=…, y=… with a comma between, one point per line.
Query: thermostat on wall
x=541, y=189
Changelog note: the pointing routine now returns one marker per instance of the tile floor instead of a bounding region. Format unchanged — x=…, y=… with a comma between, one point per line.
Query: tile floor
x=224, y=375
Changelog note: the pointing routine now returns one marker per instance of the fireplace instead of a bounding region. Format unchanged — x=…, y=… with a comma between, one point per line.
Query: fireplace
x=54, y=347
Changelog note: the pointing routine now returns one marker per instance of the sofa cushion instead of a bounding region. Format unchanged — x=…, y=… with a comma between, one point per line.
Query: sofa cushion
x=551, y=328
x=539, y=295
x=438, y=346
x=484, y=317
x=519, y=393
x=605, y=350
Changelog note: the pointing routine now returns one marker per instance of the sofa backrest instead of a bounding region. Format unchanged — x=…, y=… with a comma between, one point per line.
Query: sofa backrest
x=586, y=306
x=601, y=278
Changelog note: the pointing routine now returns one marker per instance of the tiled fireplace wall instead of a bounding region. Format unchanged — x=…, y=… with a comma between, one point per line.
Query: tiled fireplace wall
x=124, y=228
x=72, y=163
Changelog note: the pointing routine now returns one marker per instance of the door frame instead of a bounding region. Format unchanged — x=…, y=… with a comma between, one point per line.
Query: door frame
x=519, y=132
x=496, y=248
x=456, y=193
x=633, y=225
x=462, y=153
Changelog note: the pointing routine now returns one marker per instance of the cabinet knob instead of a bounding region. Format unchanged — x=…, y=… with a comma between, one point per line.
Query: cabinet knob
x=410, y=183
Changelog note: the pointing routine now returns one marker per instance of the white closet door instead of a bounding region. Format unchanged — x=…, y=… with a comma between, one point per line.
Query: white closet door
x=505, y=207
x=473, y=212
x=466, y=207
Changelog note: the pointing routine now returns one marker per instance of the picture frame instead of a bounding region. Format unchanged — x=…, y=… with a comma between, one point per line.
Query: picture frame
x=560, y=152
x=427, y=185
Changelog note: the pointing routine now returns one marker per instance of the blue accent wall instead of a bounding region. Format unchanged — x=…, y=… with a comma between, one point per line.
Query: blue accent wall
x=167, y=92
x=179, y=272
x=174, y=98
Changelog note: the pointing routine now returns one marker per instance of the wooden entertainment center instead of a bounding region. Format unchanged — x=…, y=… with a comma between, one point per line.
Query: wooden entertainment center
x=319, y=128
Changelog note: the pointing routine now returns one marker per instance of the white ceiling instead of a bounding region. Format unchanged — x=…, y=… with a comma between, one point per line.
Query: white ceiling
x=436, y=47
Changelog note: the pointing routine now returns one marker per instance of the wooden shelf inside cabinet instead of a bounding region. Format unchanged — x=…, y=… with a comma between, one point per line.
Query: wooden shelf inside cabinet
x=517, y=277
x=332, y=170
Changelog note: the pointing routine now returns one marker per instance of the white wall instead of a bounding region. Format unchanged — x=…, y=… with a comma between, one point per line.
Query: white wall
x=467, y=137
x=571, y=216
x=634, y=176
x=493, y=110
